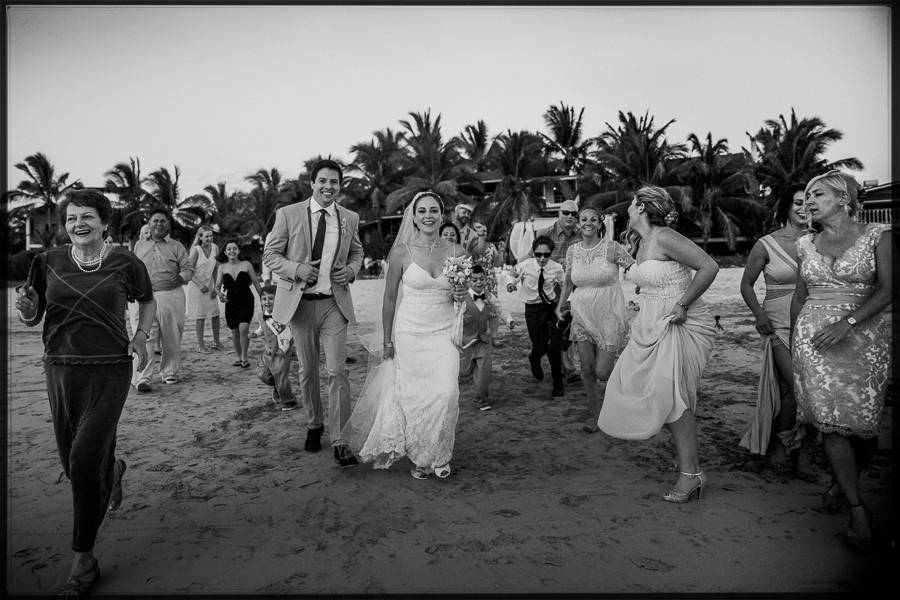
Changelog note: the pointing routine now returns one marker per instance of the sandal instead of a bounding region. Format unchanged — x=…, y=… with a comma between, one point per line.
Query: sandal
x=442, y=472
x=245, y=364
x=419, y=473
x=202, y=349
x=216, y=346
x=115, y=494
x=858, y=543
x=237, y=363
x=77, y=586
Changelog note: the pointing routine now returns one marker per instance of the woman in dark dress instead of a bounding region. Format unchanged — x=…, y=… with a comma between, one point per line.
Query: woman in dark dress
x=80, y=291
x=233, y=282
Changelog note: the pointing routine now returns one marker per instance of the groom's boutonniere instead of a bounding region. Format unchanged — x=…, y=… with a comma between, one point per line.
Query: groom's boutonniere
x=343, y=225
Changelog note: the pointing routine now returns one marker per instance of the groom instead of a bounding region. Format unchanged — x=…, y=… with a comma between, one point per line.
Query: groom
x=314, y=252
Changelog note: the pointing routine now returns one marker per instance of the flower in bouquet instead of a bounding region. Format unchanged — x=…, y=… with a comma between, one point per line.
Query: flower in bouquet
x=457, y=269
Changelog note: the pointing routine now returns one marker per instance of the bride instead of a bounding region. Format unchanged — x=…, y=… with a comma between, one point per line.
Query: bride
x=409, y=404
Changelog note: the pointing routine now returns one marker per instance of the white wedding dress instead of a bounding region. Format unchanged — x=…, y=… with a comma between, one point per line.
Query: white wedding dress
x=409, y=406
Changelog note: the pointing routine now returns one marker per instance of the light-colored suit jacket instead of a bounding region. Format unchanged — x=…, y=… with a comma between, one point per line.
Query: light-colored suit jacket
x=289, y=244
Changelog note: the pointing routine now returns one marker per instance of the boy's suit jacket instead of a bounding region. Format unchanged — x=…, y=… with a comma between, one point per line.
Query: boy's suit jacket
x=290, y=243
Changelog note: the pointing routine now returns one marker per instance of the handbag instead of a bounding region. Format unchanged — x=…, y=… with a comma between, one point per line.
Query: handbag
x=263, y=372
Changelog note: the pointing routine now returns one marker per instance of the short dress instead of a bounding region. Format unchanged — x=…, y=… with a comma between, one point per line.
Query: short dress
x=598, y=305
x=841, y=389
x=239, y=304
x=200, y=305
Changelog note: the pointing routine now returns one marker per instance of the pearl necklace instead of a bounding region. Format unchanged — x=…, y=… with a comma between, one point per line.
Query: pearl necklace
x=81, y=264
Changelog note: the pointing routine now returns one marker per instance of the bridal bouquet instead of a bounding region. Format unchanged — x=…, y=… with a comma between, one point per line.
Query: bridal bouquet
x=457, y=270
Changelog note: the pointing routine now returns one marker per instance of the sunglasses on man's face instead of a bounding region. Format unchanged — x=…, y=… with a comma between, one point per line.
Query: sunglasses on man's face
x=542, y=254
x=568, y=213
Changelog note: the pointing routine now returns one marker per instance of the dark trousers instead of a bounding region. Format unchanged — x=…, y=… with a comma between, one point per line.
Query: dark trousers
x=541, y=322
x=85, y=403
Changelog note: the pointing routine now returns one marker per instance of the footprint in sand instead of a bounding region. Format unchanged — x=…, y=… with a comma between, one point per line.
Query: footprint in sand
x=650, y=564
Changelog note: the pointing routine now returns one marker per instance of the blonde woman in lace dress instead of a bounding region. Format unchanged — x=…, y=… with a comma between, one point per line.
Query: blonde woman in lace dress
x=599, y=322
x=202, y=297
x=841, y=342
x=654, y=382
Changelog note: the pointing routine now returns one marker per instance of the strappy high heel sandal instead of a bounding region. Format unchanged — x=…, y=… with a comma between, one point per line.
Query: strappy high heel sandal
x=683, y=497
x=442, y=472
x=857, y=543
x=419, y=472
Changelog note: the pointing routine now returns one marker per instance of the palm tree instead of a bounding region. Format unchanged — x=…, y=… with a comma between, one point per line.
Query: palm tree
x=124, y=180
x=432, y=163
x=565, y=142
x=636, y=152
x=164, y=187
x=380, y=163
x=723, y=189
x=265, y=198
x=475, y=147
x=44, y=185
x=792, y=153
x=519, y=157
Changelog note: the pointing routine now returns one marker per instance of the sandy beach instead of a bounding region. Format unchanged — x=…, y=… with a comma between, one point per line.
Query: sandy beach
x=221, y=498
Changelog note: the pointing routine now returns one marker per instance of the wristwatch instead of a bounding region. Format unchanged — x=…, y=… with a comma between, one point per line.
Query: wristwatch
x=851, y=321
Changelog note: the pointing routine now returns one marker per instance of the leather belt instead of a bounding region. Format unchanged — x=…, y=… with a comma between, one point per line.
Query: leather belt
x=316, y=296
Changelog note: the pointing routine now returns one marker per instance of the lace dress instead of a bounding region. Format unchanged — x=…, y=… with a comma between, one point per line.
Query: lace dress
x=781, y=280
x=841, y=390
x=598, y=305
x=409, y=406
x=200, y=305
x=655, y=378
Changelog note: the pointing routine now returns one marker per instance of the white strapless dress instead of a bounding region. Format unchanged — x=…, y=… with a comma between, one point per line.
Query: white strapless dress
x=409, y=406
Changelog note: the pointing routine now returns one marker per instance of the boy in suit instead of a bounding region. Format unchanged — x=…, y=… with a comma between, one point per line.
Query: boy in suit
x=278, y=341
x=481, y=314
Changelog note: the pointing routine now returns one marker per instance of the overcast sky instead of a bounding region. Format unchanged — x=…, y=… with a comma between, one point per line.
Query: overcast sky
x=222, y=91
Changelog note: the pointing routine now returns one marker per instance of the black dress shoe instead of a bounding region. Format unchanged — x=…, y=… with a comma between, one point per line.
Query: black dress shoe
x=313, y=439
x=536, y=369
x=557, y=389
x=344, y=457
x=351, y=360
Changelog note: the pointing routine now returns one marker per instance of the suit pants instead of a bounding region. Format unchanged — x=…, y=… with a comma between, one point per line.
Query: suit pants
x=541, y=320
x=322, y=321
x=477, y=359
x=279, y=365
x=168, y=326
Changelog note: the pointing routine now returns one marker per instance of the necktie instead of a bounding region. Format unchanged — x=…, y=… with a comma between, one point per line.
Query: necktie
x=541, y=291
x=319, y=241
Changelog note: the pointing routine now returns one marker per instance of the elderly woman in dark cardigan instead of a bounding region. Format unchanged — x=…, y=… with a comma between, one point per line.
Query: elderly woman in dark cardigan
x=80, y=290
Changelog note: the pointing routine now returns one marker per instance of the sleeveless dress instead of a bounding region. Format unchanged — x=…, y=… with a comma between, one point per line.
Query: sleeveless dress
x=598, y=305
x=200, y=305
x=781, y=274
x=655, y=378
x=239, y=304
x=841, y=389
x=409, y=406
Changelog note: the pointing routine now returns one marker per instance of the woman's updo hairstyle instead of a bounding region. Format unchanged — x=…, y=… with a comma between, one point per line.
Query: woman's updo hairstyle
x=837, y=183
x=658, y=205
x=425, y=194
x=601, y=231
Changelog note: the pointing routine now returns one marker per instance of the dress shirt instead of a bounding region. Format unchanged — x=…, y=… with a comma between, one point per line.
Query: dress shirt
x=168, y=263
x=528, y=272
x=329, y=249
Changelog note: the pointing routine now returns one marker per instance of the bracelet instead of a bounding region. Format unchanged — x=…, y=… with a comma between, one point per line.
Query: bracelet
x=682, y=305
x=390, y=344
x=146, y=335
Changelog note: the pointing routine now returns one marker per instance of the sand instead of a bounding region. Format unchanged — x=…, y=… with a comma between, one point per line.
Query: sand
x=221, y=498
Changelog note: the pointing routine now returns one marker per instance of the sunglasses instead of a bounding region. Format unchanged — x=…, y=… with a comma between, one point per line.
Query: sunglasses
x=568, y=213
x=542, y=254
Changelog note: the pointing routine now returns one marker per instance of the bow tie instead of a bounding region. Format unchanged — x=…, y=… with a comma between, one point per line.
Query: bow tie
x=478, y=296
x=265, y=316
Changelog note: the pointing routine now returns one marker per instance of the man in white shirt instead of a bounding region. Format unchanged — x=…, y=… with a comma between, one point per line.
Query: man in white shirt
x=462, y=217
x=536, y=279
